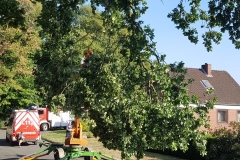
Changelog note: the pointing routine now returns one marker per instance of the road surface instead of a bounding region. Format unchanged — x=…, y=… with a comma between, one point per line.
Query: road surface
x=8, y=152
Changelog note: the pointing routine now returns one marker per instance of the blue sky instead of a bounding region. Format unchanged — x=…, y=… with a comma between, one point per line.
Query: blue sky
x=170, y=41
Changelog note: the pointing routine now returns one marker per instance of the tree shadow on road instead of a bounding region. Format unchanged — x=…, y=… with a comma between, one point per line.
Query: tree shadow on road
x=4, y=143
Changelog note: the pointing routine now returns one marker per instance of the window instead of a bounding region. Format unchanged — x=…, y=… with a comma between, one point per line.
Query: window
x=222, y=116
x=238, y=116
x=40, y=112
x=206, y=84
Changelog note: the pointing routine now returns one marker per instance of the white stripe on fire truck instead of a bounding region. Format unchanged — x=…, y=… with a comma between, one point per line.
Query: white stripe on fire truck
x=35, y=118
x=18, y=119
x=23, y=117
x=22, y=114
x=27, y=116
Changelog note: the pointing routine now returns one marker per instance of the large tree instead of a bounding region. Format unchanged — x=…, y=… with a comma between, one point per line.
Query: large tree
x=134, y=104
x=219, y=17
x=19, y=39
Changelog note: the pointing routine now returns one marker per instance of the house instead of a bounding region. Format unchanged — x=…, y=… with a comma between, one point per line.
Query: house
x=226, y=89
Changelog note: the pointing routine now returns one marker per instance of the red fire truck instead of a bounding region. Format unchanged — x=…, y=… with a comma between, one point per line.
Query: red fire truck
x=50, y=120
x=23, y=126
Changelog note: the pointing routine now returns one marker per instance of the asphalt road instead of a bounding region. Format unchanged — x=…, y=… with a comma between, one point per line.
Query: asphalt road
x=8, y=152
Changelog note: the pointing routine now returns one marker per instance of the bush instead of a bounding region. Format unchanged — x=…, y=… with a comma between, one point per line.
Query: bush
x=190, y=154
x=222, y=144
x=2, y=124
x=225, y=143
x=85, y=126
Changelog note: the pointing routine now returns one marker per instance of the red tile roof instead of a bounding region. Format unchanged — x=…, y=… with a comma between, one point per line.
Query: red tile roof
x=225, y=87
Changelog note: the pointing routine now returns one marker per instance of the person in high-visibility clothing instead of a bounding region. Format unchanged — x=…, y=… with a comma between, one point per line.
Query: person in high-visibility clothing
x=87, y=53
x=69, y=129
x=20, y=138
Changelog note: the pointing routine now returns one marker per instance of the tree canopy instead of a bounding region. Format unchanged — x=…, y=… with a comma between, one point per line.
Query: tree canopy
x=134, y=103
x=19, y=40
x=219, y=17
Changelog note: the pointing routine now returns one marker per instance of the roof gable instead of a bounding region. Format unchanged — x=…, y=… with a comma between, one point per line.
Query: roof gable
x=225, y=87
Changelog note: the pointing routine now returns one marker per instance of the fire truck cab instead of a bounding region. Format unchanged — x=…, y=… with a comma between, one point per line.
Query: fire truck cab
x=23, y=123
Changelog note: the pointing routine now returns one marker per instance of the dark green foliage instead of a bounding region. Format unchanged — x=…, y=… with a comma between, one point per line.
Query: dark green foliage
x=191, y=154
x=220, y=17
x=57, y=16
x=225, y=143
x=222, y=144
x=11, y=14
x=59, y=60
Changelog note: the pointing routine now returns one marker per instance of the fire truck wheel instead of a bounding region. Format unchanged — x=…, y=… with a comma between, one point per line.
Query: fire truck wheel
x=35, y=142
x=7, y=140
x=11, y=142
x=44, y=127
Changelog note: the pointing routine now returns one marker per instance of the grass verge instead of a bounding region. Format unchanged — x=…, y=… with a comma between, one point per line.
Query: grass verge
x=58, y=136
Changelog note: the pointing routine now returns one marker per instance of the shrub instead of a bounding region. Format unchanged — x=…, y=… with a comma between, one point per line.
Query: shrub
x=85, y=126
x=2, y=124
x=224, y=143
x=191, y=154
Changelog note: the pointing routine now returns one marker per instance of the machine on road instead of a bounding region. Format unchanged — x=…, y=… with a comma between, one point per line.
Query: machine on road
x=75, y=146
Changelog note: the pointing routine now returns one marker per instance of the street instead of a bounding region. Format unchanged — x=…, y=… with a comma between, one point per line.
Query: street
x=9, y=152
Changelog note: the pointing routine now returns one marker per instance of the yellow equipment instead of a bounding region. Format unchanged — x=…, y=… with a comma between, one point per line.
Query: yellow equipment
x=76, y=136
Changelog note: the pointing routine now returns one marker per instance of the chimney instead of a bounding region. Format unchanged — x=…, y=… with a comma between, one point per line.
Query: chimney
x=207, y=68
